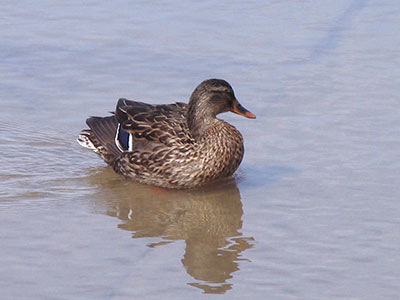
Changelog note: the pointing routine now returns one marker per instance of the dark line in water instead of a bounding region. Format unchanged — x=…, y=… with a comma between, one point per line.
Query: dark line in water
x=334, y=34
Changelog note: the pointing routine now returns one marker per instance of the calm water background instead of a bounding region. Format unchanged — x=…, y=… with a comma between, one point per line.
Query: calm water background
x=312, y=213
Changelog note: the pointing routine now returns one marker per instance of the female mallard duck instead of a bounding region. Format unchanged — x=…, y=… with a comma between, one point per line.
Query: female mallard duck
x=171, y=145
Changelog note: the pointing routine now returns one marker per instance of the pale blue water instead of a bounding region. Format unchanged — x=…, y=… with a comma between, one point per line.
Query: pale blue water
x=313, y=211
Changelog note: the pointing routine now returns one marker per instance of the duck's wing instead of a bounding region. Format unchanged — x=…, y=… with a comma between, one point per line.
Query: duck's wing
x=145, y=127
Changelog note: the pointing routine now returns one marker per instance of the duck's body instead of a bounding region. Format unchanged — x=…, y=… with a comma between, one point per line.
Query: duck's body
x=174, y=146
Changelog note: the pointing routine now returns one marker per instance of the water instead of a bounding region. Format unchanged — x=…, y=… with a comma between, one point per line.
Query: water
x=312, y=212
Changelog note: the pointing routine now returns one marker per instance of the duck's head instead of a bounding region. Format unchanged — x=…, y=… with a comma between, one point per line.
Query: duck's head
x=210, y=98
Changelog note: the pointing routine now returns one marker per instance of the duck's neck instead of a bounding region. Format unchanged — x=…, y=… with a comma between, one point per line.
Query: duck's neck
x=199, y=121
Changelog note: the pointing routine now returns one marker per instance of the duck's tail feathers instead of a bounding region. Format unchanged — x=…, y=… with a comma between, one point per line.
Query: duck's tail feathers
x=85, y=140
x=101, y=137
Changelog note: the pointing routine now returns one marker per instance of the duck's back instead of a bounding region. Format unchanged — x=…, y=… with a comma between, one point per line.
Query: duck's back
x=135, y=126
x=148, y=127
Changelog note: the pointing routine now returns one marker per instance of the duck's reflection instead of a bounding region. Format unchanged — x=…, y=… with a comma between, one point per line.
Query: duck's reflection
x=207, y=219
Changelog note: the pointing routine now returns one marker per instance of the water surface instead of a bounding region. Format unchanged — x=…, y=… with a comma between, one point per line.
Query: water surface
x=313, y=211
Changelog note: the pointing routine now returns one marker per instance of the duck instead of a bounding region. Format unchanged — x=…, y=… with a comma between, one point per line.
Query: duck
x=175, y=146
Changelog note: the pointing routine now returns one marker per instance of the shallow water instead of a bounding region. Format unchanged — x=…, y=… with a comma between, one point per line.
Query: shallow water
x=313, y=211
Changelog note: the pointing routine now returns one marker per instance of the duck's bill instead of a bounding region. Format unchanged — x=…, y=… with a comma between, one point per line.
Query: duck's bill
x=240, y=110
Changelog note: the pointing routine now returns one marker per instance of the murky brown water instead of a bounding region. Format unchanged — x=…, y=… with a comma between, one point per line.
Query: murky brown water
x=313, y=211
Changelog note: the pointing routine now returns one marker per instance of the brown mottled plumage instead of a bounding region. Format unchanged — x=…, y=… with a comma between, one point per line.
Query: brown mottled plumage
x=174, y=146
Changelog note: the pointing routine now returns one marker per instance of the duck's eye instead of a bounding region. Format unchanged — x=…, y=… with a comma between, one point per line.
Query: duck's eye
x=217, y=97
